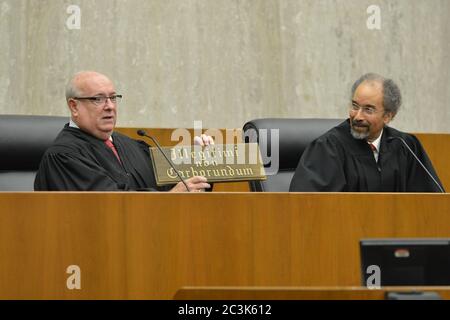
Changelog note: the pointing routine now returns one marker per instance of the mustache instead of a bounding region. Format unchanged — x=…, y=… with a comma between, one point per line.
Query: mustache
x=359, y=124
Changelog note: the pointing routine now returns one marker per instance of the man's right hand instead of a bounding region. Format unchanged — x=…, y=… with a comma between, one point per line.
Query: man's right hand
x=195, y=184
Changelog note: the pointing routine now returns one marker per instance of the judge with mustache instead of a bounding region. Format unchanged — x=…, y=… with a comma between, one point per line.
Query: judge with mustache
x=363, y=153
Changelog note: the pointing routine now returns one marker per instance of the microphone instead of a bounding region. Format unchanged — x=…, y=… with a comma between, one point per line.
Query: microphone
x=418, y=160
x=142, y=133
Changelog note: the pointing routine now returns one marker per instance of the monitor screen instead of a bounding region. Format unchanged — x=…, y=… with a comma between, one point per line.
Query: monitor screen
x=406, y=262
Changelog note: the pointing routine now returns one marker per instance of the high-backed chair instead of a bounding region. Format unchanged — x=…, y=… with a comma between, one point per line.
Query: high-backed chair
x=294, y=136
x=23, y=141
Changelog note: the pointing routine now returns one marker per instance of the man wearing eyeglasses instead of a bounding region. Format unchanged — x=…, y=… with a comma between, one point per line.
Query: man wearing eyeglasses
x=89, y=156
x=363, y=153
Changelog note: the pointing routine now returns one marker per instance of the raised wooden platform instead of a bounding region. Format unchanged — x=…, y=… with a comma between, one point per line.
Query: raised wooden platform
x=149, y=245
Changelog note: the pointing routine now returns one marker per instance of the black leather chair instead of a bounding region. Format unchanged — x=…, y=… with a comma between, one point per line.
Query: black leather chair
x=23, y=141
x=294, y=135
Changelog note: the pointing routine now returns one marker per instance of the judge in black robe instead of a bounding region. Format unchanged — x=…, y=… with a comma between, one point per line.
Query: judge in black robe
x=78, y=161
x=342, y=159
x=338, y=162
x=81, y=160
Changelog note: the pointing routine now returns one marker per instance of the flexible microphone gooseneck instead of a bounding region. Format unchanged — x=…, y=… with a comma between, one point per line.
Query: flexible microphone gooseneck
x=142, y=133
x=418, y=160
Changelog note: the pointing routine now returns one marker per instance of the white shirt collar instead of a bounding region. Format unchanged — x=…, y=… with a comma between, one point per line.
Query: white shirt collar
x=73, y=124
x=377, y=141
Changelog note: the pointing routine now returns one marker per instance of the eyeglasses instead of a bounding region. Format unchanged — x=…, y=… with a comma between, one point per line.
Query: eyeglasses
x=369, y=111
x=101, y=100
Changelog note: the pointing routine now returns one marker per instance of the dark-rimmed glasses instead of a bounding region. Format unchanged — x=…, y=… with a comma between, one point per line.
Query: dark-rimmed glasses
x=367, y=110
x=101, y=100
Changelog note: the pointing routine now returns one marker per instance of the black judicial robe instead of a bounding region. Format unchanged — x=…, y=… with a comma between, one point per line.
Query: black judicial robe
x=78, y=161
x=338, y=162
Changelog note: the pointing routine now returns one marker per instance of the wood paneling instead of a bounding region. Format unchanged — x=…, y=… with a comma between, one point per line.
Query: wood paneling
x=149, y=245
x=438, y=149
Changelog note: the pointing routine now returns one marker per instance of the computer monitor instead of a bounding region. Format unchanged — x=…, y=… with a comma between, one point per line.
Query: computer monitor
x=407, y=262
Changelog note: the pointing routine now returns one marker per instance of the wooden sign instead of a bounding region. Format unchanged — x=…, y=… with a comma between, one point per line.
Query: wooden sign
x=218, y=163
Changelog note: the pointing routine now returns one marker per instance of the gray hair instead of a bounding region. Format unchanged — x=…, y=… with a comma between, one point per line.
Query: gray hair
x=392, y=98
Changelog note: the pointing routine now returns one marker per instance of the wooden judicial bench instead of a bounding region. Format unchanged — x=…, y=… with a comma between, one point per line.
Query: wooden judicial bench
x=138, y=245
x=149, y=245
